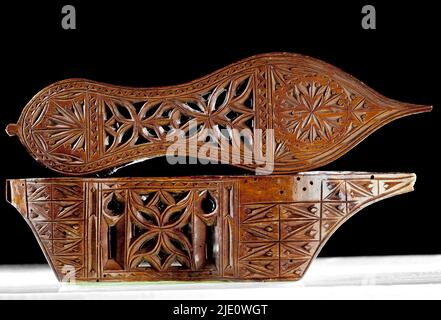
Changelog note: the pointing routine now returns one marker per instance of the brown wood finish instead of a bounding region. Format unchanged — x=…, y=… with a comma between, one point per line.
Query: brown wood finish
x=317, y=112
x=193, y=228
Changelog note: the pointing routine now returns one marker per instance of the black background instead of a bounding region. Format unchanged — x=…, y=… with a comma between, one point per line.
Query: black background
x=144, y=45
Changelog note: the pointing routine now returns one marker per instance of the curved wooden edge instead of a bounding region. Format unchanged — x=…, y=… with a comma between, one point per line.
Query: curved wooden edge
x=16, y=195
x=408, y=184
x=11, y=129
x=300, y=160
x=328, y=156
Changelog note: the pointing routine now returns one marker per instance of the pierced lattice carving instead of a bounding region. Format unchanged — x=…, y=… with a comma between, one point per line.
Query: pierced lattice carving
x=317, y=113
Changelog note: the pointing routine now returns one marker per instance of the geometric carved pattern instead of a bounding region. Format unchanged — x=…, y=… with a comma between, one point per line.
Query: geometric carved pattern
x=224, y=227
x=162, y=230
x=295, y=232
x=161, y=218
x=56, y=212
x=146, y=123
x=317, y=112
x=280, y=240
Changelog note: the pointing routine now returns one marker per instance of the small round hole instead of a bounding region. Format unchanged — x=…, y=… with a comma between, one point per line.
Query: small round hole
x=304, y=189
x=372, y=177
x=208, y=204
x=311, y=183
x=290, y=260
x=298, y=178
x=281, y=192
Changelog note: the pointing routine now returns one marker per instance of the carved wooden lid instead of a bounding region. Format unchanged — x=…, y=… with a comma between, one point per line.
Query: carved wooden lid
x=314, y=111
x=194, y=228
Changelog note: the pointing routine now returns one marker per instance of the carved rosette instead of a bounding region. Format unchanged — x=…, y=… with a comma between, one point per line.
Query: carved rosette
x=225, y=227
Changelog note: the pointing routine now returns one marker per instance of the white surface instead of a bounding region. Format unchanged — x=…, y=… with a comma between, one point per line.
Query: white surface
x=392, y=277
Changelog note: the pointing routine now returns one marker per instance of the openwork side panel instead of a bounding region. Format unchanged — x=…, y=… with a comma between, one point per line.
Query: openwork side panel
x=168, y=231
x=236, y=228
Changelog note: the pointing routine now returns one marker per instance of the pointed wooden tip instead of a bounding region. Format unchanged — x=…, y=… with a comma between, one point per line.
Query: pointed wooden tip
x=411, y=178
x=418, y=108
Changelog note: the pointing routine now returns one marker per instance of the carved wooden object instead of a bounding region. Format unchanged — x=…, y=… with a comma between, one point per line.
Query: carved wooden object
x=317, y=112
x=193, y=228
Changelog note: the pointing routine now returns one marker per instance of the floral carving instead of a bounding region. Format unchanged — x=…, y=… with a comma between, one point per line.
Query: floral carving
x=314, y=111
x=228, y=105
x=158, y=219
x=62, y=131
x=67, y=125
x=318, y=113
x=217, y=227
